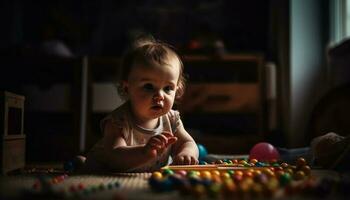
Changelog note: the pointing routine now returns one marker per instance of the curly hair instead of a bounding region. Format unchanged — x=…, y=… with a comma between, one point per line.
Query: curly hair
x=149, y=52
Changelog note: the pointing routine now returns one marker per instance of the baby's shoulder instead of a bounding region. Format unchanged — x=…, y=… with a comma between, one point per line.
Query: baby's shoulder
x=118, y=116
x=119, y=113
x=173, y=115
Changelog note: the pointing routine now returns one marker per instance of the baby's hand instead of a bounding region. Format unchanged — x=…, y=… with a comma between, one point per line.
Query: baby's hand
x=158, y=143
x=182, y=159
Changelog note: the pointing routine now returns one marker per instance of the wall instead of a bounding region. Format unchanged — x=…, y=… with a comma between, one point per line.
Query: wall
x=307, y=73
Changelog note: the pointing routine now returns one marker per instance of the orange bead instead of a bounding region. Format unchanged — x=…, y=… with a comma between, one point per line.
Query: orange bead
x=248, y=174
x=215, y=173
x=306, y=169
x=301, y=162
x=206, y=175
x=239, y=173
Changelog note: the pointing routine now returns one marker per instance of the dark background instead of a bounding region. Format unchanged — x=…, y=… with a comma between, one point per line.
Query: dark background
x=105, y=27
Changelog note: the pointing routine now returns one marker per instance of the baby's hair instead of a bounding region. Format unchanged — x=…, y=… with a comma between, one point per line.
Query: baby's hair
x=148, y=51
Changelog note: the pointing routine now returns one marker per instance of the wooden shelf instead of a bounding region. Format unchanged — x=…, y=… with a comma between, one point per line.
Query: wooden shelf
x=224, y=92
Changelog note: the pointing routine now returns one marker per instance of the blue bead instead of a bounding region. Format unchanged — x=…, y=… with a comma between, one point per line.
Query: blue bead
x=68, y=166
x=201, y=162
x=176, y=179
x=195, y=180
x=202, y=152
x=259, y=164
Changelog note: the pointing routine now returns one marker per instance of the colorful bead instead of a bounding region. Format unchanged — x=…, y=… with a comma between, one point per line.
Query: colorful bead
x=299, y=175
x=168, y=172
x=301, y=162
x=285, y=179
x=157, y=175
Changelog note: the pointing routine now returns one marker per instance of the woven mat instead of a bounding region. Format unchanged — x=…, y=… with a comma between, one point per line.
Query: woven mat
x=131, y=186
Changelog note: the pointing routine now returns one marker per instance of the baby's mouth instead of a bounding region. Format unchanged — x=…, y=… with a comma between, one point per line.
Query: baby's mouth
x=157, y=107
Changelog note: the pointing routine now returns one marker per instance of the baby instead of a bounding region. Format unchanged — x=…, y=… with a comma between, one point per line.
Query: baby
x=144, y=133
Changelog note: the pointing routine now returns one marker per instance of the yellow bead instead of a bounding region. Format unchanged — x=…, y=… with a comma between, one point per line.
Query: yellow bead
x=289, y=170
x=225, y=175
x=199, y=190
x=243, y=162
x=272, y=184
x=215, y=173
x=299, y=175
x=157, y=175
x=257, y=172
x=206, y=174
x=229, y=186
x=249, y=181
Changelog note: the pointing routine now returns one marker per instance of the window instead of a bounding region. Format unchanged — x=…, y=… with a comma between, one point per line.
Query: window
x=339, y=20
x=347, y=19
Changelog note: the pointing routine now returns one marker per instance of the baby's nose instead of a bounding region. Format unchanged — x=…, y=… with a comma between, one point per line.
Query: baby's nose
x=158, y=96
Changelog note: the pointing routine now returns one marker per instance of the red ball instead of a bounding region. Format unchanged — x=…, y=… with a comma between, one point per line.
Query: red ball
x=264, y=151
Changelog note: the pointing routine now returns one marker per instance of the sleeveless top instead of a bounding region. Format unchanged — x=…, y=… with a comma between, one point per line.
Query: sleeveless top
x=136, y=135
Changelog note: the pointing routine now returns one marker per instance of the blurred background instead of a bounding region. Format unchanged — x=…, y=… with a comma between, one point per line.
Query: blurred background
x=257, y=69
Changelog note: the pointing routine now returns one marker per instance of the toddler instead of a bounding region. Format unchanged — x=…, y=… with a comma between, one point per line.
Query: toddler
x=144, y=133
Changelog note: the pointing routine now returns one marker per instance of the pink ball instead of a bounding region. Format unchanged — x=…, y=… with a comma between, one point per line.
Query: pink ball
x=264, y=151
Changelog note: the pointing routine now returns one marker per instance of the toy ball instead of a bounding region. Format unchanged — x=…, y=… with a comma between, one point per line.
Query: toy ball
x=68, y=166
x=202, y=151
x=75, y=164
x=264, y=151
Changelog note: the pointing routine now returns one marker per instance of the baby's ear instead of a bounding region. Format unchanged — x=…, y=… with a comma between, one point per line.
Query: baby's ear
x=179, y=91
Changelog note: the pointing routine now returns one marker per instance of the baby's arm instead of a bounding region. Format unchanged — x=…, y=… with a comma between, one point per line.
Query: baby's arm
x=185, y=149
x=121, y=157
x=116, y=154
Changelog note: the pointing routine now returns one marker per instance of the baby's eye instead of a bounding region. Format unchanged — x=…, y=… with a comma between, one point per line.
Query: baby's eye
x=168, y=89
x=148, y=87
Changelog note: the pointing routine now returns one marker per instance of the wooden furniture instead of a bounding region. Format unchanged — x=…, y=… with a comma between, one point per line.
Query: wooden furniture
x=55, y=94
x=12, y=137
x=223, y=106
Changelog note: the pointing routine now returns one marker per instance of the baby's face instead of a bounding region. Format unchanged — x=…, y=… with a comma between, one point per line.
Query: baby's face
x=151, y=90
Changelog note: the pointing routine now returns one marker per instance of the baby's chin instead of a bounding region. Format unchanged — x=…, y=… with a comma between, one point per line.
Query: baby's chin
x=159, y=110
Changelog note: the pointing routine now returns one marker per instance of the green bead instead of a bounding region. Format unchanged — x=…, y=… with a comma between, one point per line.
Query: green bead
x=285, y=179
x=168, y=172
x=231, y=171
x=275, y=165
x=246, y=165
x=192, y=174
x=110, y=186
